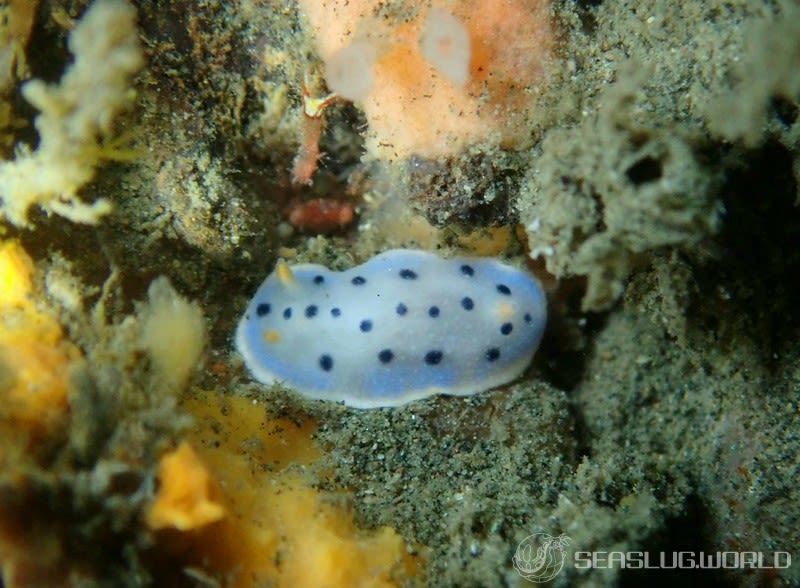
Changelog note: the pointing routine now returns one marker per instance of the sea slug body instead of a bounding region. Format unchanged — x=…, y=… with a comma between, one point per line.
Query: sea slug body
x=402, y=326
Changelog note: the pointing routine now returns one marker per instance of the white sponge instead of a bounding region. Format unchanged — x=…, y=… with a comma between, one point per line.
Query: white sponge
x=445, y=44
x=348, y=72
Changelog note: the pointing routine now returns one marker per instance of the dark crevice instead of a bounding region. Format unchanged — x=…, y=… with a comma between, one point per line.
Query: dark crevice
x=786, y=110
x=647, y=169
x=687, y=533
x=757, y=255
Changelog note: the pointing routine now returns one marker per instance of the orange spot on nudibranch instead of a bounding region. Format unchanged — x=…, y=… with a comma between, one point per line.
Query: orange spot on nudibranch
x=271, y=336
x=505, y=310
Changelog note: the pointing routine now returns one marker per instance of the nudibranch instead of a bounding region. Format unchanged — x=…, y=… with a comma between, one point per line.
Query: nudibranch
x=402, y=326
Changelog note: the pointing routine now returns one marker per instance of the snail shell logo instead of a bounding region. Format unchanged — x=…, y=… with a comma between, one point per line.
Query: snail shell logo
x=539, y=557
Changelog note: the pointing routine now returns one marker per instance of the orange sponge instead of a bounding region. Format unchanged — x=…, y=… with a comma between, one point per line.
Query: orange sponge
x=435, y=81
x=184, y=500
x=35, y=359
x=244, y=507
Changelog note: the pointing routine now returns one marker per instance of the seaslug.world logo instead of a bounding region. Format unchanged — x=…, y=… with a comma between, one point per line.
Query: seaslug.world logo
x=540, y=557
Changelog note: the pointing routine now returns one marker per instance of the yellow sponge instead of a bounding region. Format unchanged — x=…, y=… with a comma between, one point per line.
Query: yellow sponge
x=35, y=359
x=276, y=528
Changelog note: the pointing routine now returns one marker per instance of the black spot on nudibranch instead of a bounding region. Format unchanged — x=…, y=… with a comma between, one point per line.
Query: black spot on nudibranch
x=433, y=311
x=527, y=317
x=358, y=281
x=433, y=357
x=503, y=289
x=401, y=309
x=335, y=312
x=263, y=309
x=493, y=354
x=311, y=311
x=386, y=356
x=467, y=270
x=287, y=314
x=319, y=280
x=506, y=328
x=326, y=362
x=467, y=303
x=365, y=326
x=408, y=274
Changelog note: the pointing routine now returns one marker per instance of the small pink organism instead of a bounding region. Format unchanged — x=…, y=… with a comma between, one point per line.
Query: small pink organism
x=321, y=216
x=307, y=158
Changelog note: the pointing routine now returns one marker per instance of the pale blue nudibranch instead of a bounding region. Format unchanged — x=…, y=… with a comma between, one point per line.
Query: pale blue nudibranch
x=402, y=326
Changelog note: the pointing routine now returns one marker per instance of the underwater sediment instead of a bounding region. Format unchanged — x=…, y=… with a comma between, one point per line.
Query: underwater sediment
x=158, y=159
